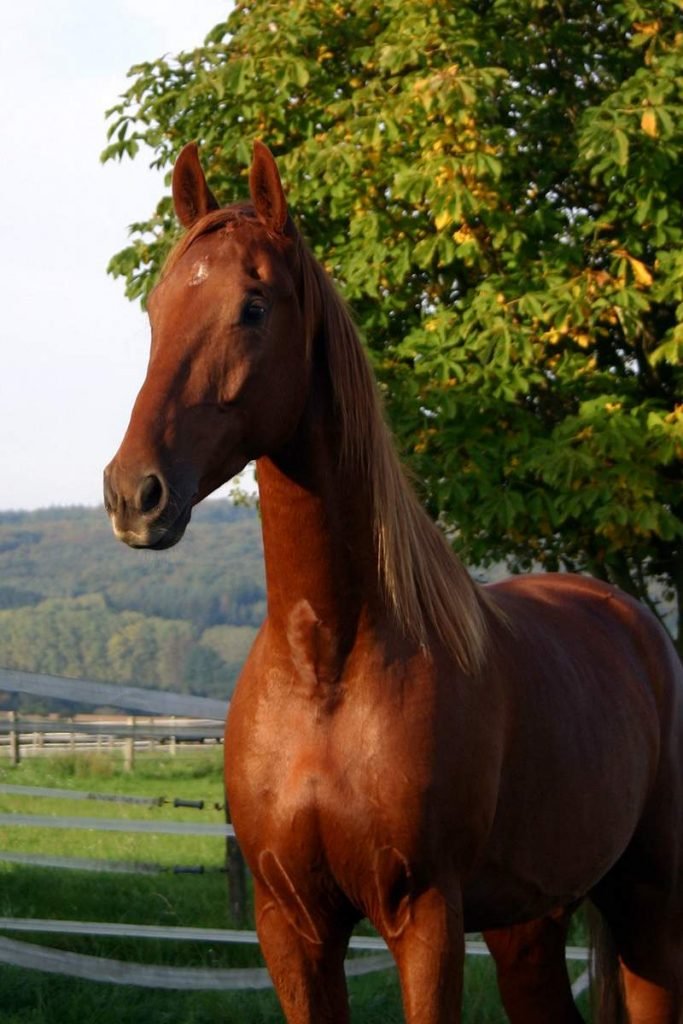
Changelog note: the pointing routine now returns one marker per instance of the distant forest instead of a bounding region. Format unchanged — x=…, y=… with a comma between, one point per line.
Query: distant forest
x=76, y=602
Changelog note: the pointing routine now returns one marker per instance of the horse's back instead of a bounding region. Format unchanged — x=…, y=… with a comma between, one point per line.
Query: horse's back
x=570, y=623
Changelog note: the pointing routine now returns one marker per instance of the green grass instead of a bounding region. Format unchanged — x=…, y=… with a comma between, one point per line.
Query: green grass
x=189, y=776
x=32, y=997
x=41, y=999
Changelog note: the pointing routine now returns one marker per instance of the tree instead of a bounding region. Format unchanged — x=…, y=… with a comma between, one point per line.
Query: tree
x=205, y=673
x=497, y=188
x=149, y=651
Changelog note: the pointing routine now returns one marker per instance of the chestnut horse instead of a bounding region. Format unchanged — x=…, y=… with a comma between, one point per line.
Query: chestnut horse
x=402, y=744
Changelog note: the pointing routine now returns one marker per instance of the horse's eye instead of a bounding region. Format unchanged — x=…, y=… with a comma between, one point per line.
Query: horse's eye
x=254, y=312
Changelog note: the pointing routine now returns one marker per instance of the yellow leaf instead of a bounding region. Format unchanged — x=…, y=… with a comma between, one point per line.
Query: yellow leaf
x=648, y=123
x=649, y=28
x=442, y=220
x=640, y=272
x=463, y=234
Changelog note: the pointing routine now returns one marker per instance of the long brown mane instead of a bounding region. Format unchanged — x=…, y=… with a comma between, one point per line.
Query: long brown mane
x=425, y=585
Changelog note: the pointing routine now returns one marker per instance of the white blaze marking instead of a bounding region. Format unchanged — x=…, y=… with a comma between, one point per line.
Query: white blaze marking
x=200, y=272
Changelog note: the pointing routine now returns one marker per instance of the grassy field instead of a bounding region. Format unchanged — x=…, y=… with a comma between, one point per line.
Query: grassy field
x=199, y=900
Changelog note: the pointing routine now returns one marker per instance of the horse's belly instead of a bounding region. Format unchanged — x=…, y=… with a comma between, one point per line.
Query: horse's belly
x=496, y=898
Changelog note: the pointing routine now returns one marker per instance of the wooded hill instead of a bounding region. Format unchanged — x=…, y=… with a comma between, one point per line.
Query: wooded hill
x=75, y=602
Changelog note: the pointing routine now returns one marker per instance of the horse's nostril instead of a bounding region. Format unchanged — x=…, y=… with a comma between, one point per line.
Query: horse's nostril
x=150, y=494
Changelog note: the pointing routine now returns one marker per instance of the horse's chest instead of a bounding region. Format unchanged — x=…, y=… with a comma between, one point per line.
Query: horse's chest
x=320, y=782
x=329, y=827
x=346, y=801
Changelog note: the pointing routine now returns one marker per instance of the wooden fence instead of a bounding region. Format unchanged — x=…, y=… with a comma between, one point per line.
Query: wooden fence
x=34, y=736
x=212, y=714
x=154, y=717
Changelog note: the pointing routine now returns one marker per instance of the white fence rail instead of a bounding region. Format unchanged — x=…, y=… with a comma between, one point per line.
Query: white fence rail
x=118, y=972
x=21, y=954
x=158, y=729
x=34, y=737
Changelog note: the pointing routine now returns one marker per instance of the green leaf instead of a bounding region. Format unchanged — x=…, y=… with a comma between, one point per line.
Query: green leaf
x=622, y=147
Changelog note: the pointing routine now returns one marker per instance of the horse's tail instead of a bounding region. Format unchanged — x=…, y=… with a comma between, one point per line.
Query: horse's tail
x=607, y=994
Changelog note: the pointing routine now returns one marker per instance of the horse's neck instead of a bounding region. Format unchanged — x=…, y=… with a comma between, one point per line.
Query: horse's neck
x=318, y=546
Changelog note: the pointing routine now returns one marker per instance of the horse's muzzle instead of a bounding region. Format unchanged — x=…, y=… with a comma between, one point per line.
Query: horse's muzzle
x=144, y=512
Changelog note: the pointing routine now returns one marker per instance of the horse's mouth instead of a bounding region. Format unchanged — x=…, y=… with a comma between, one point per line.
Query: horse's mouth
x=168, y=540
x=156, y=536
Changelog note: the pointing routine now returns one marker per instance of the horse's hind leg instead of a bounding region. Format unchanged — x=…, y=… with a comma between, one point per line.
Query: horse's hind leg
x=646, y=1001
x=647, y=933
x=532, y=971
x=651, y=958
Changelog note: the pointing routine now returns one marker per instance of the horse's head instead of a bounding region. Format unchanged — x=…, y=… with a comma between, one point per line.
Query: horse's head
x=228, y=368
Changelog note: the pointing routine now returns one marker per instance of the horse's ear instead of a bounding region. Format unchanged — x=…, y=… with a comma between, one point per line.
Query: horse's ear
x=266, y=190
x=192, y=197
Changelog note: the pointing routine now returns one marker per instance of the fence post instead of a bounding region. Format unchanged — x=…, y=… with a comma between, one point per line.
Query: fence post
x=237, y=877
x=14, y=740
x=129, y=748
x=172, y=741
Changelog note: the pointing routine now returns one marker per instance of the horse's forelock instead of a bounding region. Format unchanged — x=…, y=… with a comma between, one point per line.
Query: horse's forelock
x=226, y=219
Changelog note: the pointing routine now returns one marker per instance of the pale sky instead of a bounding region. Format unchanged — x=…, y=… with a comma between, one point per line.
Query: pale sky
x=72, y=348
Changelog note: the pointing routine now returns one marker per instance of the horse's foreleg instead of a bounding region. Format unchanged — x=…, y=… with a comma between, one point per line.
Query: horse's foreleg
x=305, y=961
x=532, y=972
x=427, y=941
